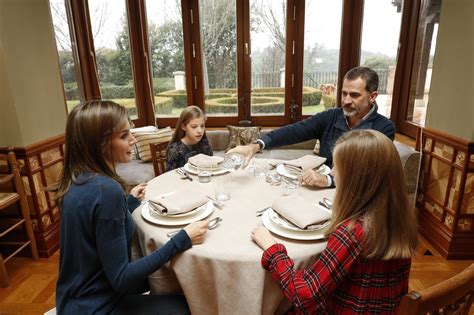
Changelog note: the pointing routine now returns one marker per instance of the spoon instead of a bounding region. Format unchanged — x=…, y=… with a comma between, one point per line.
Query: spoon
x=213, y=223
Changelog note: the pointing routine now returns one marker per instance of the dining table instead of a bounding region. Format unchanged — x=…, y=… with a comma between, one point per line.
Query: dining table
x=224, y=275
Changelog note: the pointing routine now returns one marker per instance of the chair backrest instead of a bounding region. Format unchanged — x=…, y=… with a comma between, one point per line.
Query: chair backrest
x=158, y=156
x=452, y=296
x=10, y=168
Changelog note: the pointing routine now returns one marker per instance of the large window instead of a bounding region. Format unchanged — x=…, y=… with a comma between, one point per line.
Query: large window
x=321, y=54
x=219, y=56
x=249, y=62
x=380, y=46
x=268, y=41
x=66, y=58
x=112, y=52
x=165, y=37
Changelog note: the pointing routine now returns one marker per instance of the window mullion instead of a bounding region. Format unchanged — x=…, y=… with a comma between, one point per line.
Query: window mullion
x=351, y=34
x=83, y=49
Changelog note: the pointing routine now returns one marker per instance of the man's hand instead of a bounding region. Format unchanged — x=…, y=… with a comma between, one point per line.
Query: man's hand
x=247, y=151
x=313, y=178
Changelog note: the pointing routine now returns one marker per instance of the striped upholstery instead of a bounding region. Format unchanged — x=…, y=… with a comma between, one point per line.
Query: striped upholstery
x=147, y=135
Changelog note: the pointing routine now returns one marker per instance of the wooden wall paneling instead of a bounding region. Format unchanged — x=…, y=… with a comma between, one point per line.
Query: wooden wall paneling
x=41, y=165
x=446, y=194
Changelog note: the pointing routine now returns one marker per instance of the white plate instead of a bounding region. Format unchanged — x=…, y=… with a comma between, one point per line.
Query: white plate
x=193, y=170
x=202, y=212
x=292, y=173
x=303, y=235
x=277, y=219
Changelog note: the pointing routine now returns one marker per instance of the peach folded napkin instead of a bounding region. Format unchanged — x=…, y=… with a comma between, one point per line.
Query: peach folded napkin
x=181, y=201
x=306, y=162
x=299, y=211
x=205, y=160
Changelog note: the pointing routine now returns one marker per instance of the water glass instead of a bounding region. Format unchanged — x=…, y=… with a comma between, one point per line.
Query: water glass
x=222, y=187
x=204, y=172
x=289, y=186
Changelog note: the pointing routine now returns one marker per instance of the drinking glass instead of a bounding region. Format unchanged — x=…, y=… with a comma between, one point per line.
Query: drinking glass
x=204, y=172
x=289, y=186
x=222, y=187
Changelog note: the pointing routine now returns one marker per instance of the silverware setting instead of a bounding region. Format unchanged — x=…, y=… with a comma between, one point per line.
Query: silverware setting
x=218, y=204
x=261, y=211
x=326, y=203
x=213, y=223
x=183, y=174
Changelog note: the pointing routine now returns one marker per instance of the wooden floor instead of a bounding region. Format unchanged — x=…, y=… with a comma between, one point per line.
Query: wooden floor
x=32, y=288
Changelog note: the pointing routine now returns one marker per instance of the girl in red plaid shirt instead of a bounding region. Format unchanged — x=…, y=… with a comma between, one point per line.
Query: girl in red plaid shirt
x=373, y=233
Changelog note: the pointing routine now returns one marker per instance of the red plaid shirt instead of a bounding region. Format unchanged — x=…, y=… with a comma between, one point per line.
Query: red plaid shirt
x=341, y=281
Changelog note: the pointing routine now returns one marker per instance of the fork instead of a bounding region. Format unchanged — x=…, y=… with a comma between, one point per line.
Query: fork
x=213, y=223
x=183, y=173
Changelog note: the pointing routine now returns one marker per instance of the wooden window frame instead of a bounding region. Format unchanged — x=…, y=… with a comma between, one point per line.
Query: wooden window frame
x=349, y=56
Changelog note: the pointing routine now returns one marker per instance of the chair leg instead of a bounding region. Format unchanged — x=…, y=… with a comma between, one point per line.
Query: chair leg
x=25, y=212
x=3, y=274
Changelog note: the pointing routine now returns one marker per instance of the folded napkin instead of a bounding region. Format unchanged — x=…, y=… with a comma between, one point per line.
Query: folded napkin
x=181, y=201
x=299, y=211
x=205, y=160
x=306, y=162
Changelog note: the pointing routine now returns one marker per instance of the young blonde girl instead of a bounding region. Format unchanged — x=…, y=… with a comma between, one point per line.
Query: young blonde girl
x=373, y=233
x=96, y=275
x=189, y=138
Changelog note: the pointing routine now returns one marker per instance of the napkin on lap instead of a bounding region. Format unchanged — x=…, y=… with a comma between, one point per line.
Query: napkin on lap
x=306, y=162
x=299, y=211
x=205, y=160
x=181, y=201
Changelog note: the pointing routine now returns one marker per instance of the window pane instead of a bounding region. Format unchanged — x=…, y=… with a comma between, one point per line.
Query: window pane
x=322, y=39
x=423, y=63
x=219, y=38
x=112, y=49
x=66, y=59
x=380, y=35
x=268, y=35
x=165, y=37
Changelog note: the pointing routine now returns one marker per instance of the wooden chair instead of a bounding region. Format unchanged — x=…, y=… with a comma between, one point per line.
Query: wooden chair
x=158, y=156
x=12, y=192
x=452, y=296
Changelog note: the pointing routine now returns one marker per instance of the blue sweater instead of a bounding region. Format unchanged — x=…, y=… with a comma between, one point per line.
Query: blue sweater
x=327, y=126
x=96, y=231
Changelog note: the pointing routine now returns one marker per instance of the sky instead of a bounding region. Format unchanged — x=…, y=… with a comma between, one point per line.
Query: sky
x=322, y=23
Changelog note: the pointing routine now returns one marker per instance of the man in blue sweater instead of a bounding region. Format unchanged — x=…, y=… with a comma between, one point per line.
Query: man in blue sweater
x=358, y=111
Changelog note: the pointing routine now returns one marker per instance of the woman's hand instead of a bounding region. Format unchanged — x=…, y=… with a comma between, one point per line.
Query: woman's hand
x=139, y=191
x=262, y=237
x=313, y=178
x=196, y=231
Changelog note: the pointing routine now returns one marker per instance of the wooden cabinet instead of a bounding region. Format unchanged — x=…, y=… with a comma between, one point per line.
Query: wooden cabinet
x=445, y=197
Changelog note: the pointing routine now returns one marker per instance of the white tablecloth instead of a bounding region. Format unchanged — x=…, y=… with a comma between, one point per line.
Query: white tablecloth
x=224, y=274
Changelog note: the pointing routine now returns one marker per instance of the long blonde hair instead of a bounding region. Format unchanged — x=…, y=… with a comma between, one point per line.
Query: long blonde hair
x=370, y=185
x=89, y=132
x=188, y=114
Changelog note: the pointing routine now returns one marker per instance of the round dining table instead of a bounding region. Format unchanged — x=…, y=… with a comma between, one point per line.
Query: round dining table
x=224, y=275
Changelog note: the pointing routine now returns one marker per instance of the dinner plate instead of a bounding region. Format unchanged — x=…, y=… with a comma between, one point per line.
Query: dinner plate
x=303, y=235
x=293, y=172
x=284, y=223
x=193, y=170
x=200, y=213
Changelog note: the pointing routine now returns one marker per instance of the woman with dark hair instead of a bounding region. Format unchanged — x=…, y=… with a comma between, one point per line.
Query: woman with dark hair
x=372, y=236
x=96, y=274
